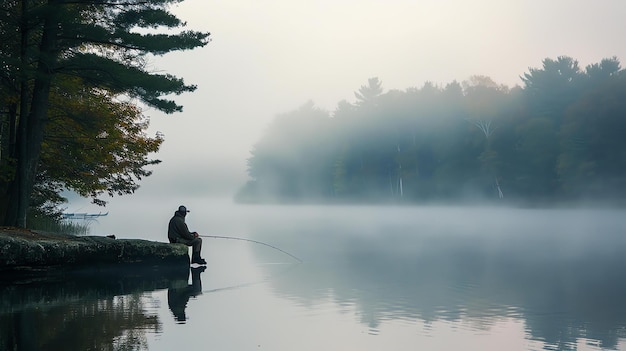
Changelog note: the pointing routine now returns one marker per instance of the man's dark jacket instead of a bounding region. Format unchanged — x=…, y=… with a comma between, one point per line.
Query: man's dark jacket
x=178, y=229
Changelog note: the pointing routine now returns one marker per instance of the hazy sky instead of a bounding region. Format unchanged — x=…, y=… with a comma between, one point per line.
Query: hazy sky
x=270, y=57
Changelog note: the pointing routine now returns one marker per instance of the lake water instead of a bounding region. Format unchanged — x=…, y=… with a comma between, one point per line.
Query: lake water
x=371, y=278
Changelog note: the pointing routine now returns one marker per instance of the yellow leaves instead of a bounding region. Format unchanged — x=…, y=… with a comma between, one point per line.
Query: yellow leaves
x=95, y=143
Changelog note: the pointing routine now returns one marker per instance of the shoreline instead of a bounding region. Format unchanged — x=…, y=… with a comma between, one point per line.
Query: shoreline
x=28, y=252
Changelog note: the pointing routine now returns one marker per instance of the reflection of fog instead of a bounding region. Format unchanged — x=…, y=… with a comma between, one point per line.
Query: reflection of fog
x=88, y=311
x=559, y=271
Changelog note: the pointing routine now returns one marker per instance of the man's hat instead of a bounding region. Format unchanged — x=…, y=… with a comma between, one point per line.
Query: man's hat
x=183, y=209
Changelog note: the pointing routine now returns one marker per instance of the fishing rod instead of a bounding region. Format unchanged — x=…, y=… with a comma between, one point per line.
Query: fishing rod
x=252, y=241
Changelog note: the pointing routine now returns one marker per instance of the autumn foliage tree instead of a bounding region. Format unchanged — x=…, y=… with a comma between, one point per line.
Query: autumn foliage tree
x=94, y=144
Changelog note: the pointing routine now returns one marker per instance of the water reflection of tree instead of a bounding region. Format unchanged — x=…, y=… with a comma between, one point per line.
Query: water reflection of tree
x=115, y=323
x=98, y=312
x=563, y=286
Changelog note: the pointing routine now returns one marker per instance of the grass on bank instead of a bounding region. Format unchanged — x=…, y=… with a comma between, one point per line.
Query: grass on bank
x=53, y=225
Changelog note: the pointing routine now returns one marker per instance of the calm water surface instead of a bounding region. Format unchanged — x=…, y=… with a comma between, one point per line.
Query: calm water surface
x=371, y=278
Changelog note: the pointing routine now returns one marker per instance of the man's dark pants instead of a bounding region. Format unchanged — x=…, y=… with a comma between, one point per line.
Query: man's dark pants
x=196, y=243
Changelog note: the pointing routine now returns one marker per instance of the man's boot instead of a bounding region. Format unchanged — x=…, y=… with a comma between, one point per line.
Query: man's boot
x=195, y=258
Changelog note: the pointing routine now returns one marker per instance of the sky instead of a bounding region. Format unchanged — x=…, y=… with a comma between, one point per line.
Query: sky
x=270, y=57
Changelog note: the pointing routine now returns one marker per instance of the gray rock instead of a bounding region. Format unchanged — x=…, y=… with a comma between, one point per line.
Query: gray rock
x=27, y=249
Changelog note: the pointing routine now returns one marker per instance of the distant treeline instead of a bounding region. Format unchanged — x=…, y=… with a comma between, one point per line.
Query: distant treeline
x=560, y=136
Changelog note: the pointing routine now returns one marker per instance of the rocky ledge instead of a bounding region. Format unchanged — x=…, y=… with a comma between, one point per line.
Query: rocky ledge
x=24, y=250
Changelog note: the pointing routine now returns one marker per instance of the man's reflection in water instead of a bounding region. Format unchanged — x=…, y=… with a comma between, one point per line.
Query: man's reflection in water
x=180, y=291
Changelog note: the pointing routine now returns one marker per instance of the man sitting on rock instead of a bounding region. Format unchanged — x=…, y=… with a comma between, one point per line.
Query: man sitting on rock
x=178, y=232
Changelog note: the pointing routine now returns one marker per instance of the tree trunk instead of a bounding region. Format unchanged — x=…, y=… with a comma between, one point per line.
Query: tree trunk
x=9, y=187
x=31, y=125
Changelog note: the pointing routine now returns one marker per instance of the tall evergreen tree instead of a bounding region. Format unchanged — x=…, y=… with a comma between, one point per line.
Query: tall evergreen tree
x=368, y=94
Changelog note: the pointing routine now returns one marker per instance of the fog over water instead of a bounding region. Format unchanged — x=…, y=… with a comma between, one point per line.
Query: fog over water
x=148, y=218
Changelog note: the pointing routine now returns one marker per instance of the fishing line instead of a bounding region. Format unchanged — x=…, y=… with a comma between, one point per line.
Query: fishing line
x=244, y=285
x=252, y=241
